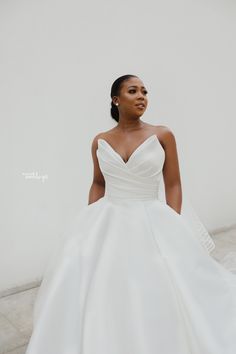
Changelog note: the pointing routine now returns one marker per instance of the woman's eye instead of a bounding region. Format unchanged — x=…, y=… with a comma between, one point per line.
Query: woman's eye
x=145, y=91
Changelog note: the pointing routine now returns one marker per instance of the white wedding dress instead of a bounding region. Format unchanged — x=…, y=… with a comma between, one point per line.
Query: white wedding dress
x=132, y=276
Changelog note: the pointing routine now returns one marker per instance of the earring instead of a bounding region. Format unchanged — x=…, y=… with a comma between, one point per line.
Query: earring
x=117, y=104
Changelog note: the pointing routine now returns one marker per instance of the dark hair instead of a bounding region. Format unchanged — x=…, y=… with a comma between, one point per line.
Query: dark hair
x=115, y=90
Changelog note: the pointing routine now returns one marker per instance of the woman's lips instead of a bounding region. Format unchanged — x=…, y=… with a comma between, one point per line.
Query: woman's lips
x=141, y=106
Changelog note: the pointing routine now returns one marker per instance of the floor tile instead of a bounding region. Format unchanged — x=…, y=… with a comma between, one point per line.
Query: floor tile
x=10, y=337
x=18, y=308
x=19, y=350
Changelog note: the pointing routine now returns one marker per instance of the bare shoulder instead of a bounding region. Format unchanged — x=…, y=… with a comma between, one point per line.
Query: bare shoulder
x=102, y=135
x=96, y=138
x=163, y=130
x=165, y=135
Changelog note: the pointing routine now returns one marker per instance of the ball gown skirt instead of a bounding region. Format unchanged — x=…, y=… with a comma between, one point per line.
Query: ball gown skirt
x=131, y=277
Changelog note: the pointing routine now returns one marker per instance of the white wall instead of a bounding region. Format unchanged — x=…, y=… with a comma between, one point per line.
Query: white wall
x=58, y=61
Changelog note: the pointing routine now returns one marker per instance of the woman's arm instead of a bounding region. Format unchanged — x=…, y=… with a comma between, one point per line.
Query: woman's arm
x=171, y=173
x=97, y=188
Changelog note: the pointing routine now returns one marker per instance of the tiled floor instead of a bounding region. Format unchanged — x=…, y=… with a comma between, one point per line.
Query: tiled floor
x=16, y=321
x=16, y=310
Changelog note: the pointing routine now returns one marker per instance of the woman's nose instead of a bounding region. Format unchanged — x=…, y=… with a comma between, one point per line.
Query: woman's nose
x=141, y=95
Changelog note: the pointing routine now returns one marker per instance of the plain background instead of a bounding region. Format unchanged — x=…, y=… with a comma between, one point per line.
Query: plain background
x=58, y=61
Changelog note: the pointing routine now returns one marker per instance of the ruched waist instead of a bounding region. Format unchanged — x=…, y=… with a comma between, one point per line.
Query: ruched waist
x=130, y=197
x=147, y=192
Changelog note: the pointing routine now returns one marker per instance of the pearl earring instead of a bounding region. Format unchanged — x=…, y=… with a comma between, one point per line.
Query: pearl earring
x=117, y=104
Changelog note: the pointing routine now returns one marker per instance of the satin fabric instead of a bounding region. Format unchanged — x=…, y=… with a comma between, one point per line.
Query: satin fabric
x=132, y=276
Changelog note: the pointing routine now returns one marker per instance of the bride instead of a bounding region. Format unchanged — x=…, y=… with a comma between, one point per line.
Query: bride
x=133, y=274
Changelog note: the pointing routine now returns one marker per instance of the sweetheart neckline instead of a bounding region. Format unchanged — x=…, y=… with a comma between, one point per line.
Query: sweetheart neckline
x=135, y=150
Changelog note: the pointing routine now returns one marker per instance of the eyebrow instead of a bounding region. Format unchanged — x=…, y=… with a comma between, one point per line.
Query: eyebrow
x=135, y=86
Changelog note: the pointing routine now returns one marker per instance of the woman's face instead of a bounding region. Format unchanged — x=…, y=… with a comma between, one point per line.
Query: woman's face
x=132, y=99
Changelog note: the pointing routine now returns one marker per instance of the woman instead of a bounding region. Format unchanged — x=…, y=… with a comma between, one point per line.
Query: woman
x=131, y=277
x=127, y=108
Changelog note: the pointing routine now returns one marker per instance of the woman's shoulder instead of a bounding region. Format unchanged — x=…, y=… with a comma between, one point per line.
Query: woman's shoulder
x=102, y=135
x=165, y=134
x=163, y=129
